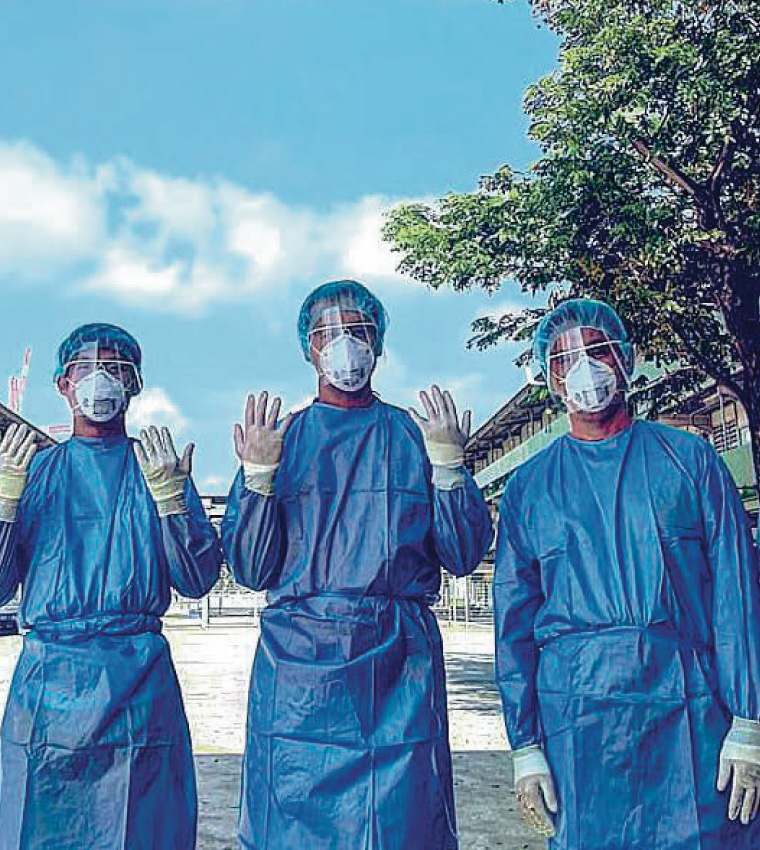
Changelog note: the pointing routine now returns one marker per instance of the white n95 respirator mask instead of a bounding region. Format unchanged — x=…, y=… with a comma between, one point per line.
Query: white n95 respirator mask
x=100, y=397
x=347, y=363
x=590, y=385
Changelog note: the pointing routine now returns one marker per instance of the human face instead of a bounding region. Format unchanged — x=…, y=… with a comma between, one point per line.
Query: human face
x=570, y=346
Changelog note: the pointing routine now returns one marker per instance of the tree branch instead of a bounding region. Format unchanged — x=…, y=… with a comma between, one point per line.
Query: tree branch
x=671, y=174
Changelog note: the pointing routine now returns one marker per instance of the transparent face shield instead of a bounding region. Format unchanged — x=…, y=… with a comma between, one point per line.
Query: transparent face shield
x=103, y=380
x=344, y=341
x=585, y=369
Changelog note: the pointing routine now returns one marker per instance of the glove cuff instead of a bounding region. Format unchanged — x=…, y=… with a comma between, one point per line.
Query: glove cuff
x=167, y=490
x=446, y=478
x=742, y=742
x=172, y=506
x=529, y=761
x=12, y=485
x=259, y=477
x=450, y=455
x=8, y=508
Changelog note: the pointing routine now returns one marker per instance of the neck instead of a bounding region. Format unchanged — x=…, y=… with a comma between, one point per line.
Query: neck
x=83, y=427
x=338, y=398
x=599, y=426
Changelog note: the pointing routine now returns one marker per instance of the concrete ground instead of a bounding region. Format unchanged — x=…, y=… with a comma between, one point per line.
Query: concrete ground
x=214, y=665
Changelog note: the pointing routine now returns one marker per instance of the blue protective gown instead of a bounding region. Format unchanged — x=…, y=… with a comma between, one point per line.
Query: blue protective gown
x=95, y=748
x=628, y=634
x=347, y=743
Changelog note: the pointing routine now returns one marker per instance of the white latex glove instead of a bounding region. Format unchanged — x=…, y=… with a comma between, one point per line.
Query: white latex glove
x=164, y=473
x=534, y=789
x=444, y=437
x=17, y=449
x=739, y=762
x=259, y=445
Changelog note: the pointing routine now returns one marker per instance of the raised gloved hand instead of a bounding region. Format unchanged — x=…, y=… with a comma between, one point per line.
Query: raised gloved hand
x=259, y=445
x=739, y=762
x=444, y=437
x=164, y=473
x=17, y=449
x=534, y=789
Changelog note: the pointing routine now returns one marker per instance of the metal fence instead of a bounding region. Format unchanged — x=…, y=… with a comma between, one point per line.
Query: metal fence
x=467, y=600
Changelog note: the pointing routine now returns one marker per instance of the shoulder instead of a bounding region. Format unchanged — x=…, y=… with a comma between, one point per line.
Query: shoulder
x=676, y=440
x=531, y=472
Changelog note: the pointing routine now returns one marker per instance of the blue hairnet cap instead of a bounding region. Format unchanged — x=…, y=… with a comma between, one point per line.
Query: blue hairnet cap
x=101, y=335
x=347, y=294
x=581, y=313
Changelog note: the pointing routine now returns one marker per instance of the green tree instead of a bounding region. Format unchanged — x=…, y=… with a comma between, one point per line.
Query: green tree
x=646, y=192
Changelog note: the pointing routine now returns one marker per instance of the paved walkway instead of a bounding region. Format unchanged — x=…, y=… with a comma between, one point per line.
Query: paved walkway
x=214, y=666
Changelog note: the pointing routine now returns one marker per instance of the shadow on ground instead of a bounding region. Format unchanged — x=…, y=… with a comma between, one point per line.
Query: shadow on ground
x=486, y=811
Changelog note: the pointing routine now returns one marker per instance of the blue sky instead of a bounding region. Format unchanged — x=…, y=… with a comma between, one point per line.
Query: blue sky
x=190, y=169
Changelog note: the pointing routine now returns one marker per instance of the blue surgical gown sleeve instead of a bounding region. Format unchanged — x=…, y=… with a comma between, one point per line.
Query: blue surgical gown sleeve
x=192, y=548
x=462, y=527
x=9, y=577
x=736, y=589
x=518, y=596
x=253, y=536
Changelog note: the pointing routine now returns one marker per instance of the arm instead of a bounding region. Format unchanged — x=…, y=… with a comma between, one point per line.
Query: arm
x=736, y=590
x=9, y=574
x=517, y=598
x=192, y=547
x=253, y=536
x=462, y=529
x=17, y=448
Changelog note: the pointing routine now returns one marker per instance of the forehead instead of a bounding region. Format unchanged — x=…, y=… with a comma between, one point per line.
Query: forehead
x=93, y=352
x=339, y=316
x=577, y=337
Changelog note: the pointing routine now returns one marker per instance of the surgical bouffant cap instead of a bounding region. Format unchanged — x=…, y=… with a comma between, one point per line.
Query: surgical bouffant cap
x=581, y=313
x=101, y=335
x=347, y=295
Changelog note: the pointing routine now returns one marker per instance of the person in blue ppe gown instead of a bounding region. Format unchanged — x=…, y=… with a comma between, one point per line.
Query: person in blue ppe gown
x=95, y=748
x=627, y=610
x=345, y=514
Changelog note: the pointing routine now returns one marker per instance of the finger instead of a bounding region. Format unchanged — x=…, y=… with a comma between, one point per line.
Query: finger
x=250, y=411
x=237, y=437
x=28, y=455
x=550, y=796
x=724, y=774
x=418, y=420
x=186, y=464
x=7, y=438
x=24, y=447
x=261, y=410
x=750, y=793
x=466, y=423
x=428, y=405
x=147, y=445
x=142, y=458
x=168, y=443
x=274, y=413
x=438, y=399
x=756, y=805
x=155, y=439
x=450, y=407
x=285, y=424
x=735, y=801
x=18, y=439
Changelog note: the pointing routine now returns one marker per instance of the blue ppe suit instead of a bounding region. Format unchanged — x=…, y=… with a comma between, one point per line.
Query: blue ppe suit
x=347, y=740
x=95, y=748
x=627, y=634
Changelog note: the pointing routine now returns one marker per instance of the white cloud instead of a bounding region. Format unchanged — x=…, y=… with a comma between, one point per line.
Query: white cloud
x=154, y=407
x=48, y=214
x=173, y=244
